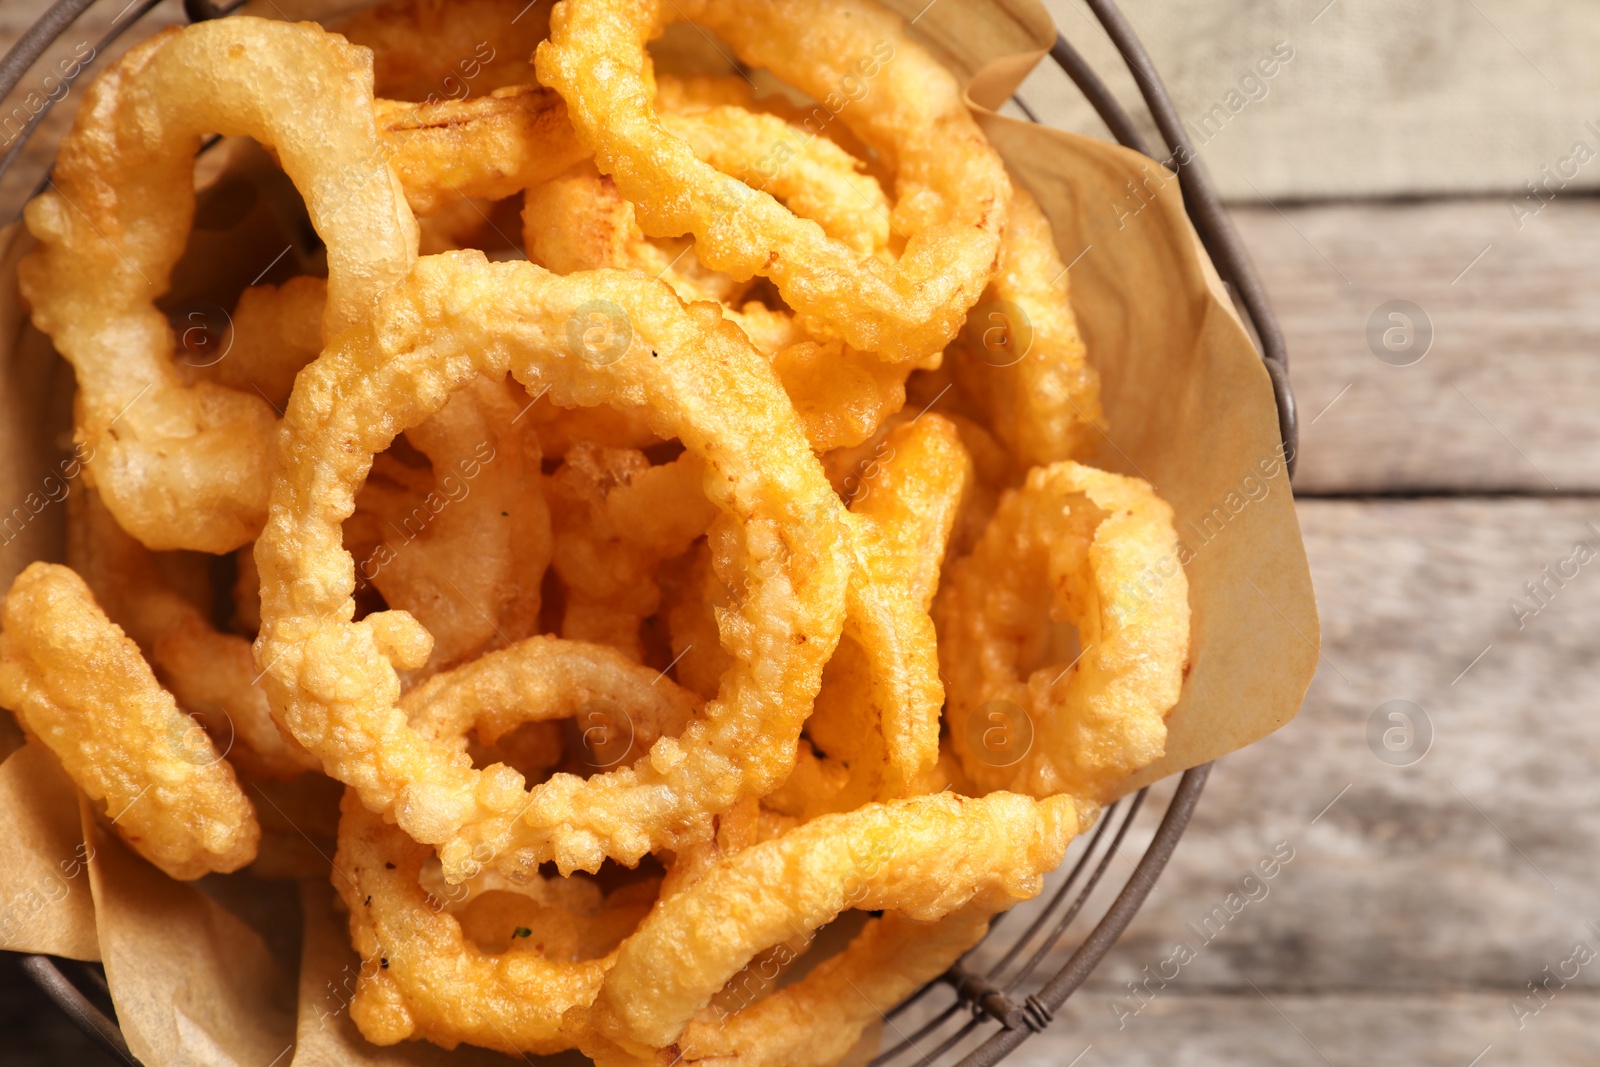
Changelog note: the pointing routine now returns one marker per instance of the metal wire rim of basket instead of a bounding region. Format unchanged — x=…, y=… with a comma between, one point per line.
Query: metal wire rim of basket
x=981, y=997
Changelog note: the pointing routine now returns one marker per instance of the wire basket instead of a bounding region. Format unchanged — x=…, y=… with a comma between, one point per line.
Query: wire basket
x=984, y=1014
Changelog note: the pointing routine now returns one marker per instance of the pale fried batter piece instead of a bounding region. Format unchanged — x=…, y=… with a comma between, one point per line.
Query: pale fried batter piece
x=212, y=674
x=79, y=685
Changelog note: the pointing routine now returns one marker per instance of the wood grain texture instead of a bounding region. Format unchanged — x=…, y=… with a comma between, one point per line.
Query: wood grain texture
x=1417, y=907
x=1506, y=398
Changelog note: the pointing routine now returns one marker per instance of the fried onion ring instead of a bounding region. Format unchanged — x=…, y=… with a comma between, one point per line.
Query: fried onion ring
x=579, y=221
x=951, y=188
x=463, y=547
x=878, y=711
x=208, y=672
x=1087, y=547
x=1042, y=400
x=332, y=682
x=616, y=519
x=424, y=962
x=923, y=857
x=80, y=685
x=189, y=467
x=487, y=147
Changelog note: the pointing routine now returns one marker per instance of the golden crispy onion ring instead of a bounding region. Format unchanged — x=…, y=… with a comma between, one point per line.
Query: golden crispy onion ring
x=923, y=857
x=330, y=679
x=462, y=547
x=80, y=685
x=487, y=147
x=951, y=189
x=889, y=960
x=814, y=178
x=189, y=467
x=518, y=998
x=877, y=713
x=579, y=221
x=1094, y=549
x=208, y=672
x=544, y=678
x=427, y=980
x=1020, y=357
x=447, y=49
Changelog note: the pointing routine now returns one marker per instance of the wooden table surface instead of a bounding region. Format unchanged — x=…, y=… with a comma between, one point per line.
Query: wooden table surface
x=1422, y=902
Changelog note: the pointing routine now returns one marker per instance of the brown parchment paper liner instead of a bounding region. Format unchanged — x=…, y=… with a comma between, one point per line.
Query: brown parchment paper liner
x=44, y=881
x=192, y=982
x=1188, y=407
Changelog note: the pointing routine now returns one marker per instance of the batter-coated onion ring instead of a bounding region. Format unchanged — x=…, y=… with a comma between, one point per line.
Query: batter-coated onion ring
x=517, y=999
x=878, y=710
x=487, y=147
x=1087, y=547
x=544, y=678
x=424, y=962
x=579, y=221
x=1044, y=402
x=463, y=547
x=617, y=518
x=816, y=1021
x=207, y=671
x=923, y=857
x=80, y=685
x=189, y=467
x=330, y=679
x=814, y=177
x=951, y=189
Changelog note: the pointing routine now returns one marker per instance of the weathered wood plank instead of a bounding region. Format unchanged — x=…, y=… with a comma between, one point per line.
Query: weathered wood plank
x=1470, y=869
x=1505, y=398
x=1341, y=1030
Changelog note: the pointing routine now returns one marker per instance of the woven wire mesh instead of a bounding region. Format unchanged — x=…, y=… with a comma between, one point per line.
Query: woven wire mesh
x=993, y=999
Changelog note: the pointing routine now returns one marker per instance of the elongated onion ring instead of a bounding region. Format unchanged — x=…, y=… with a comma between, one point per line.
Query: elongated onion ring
x=923, y=857
x=189, y=467
x=207, y=671
x=1095, y=549
x=332, y=681
x=952, y=190
x=81, y=686
x=1044, y=403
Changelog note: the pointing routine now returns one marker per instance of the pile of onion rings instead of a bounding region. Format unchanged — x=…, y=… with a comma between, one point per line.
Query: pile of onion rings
x=576, y=522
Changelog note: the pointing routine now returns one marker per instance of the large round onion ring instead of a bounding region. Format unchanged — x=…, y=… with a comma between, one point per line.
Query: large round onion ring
x=332, y=680
x=189, y=467
x=1094, y=549
x=923, y=857
x=952, y=190
x=80, y=685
